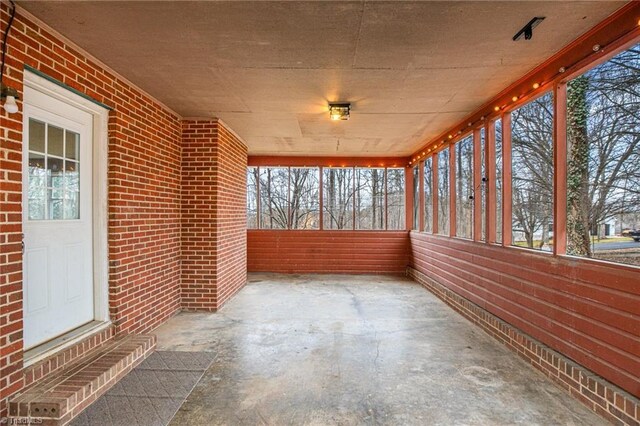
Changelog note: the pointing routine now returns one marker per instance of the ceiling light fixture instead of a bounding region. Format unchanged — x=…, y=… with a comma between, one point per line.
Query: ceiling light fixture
x=339, y=111
x=527, y=30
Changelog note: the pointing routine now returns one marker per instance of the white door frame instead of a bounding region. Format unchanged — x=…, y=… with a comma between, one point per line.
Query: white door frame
x=99, y=203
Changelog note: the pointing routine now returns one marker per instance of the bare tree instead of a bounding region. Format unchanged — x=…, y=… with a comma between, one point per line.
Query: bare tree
x=532, y=170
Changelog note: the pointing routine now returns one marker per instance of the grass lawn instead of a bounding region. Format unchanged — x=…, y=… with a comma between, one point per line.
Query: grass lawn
x=605, y=240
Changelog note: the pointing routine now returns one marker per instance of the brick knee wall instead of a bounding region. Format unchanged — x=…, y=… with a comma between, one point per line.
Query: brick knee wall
x=599, y=395
x=214, y=237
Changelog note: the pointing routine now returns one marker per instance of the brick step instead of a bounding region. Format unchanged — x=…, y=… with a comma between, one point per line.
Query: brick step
x=63, y=395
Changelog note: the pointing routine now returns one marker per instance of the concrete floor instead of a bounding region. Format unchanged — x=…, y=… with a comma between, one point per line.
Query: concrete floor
x=346, y=350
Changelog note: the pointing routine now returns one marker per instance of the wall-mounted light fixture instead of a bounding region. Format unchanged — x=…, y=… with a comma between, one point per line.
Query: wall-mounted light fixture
x=9, y=95
x=339, y=111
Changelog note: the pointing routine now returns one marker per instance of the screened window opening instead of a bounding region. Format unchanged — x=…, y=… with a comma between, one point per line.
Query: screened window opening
x=352, y=198
x=603, y=161
x=396, y=217
x=464, y=187
x=370, y=199
x=443, y=192
x=338, y=193
x=498, y=141
x=481, y=190
x=532, y=174
x=252, y=197
x=274, y=197
x=416, y=198
x=304, y=196
x=428, y=194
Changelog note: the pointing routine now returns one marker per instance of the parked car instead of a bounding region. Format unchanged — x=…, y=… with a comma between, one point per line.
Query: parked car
x=635, y=234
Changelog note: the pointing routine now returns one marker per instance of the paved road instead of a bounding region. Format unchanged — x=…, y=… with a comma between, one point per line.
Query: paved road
x=617, y=246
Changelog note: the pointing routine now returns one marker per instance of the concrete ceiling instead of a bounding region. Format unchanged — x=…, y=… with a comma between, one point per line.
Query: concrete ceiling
x=269, y=69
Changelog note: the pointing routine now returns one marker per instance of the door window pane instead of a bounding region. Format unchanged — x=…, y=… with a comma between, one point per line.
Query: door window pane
x=72, y=145
x=55, y=141
x=36, y=136
x=53, y=189
x=71, y=205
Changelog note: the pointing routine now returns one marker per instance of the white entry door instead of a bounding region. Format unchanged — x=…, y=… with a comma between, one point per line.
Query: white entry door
x=57, y=218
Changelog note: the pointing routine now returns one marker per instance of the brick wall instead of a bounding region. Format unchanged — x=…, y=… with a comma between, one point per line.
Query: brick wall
x=144, y=192
x=214, y=246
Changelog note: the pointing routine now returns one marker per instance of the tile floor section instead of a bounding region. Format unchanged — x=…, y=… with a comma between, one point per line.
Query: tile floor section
x=151, y=393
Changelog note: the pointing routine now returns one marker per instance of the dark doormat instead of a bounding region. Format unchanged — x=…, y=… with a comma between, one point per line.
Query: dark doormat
x=151, y=393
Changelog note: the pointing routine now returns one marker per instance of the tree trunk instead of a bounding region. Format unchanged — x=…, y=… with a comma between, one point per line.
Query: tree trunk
x=578, y=168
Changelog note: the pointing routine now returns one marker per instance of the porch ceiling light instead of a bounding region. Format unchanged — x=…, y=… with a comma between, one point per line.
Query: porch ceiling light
x=339, y=111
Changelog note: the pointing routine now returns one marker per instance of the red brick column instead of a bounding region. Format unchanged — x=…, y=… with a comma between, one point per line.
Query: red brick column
x=214, y=237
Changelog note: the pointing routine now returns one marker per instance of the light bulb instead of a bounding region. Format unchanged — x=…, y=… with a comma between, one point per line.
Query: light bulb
x=10, y=105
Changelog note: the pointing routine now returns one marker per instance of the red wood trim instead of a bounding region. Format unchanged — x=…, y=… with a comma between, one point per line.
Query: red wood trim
x=408, y=191
x=477, y=185
x=421, y=196
x=277, y=161
x=560, y=169
x=610, y=33
x=434, y=167
x=605, y=53
x=506, y=180
x=452, y=192
x=490, y=161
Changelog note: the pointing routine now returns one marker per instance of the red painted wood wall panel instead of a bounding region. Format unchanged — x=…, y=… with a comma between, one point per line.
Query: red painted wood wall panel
x=589, y=311
x=379, y=252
